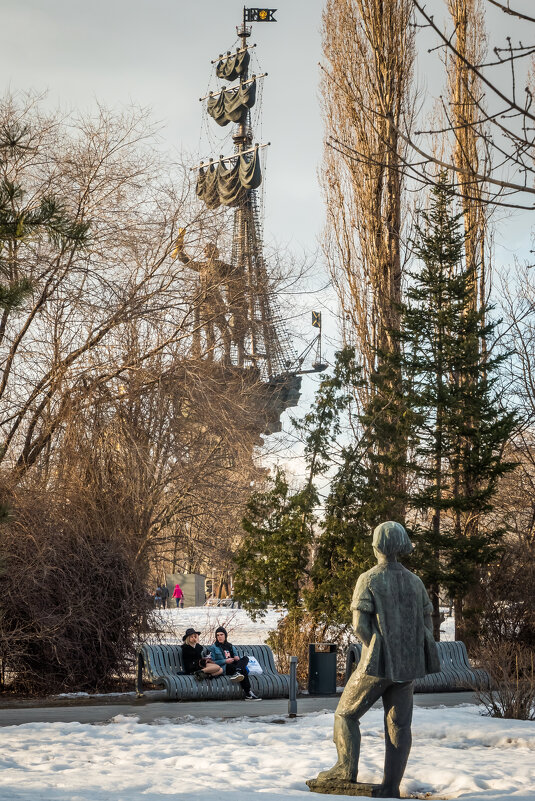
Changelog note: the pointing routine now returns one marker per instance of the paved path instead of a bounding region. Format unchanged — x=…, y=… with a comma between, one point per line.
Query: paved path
x=151, y=711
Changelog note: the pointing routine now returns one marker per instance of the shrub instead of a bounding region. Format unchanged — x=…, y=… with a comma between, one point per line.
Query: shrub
x=72, y=602
x=293, y=635
x=511, y=668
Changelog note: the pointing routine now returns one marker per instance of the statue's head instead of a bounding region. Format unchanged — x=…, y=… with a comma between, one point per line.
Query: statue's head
x=391, y=539
x=211, y=251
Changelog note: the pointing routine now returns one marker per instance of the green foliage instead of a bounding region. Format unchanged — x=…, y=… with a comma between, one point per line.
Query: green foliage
x=460, y=426
x=343, y=548
x=367, y=485
x=13, y=296
x=22, y=223
x=272, y=560
x=428, y=443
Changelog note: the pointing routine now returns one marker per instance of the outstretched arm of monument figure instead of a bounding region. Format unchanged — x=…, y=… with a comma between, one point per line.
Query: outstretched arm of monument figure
x=180, y=253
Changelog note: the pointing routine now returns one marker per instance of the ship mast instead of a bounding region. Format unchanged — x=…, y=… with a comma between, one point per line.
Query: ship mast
x=248, y=251
x=254, y=338
x=241, y=246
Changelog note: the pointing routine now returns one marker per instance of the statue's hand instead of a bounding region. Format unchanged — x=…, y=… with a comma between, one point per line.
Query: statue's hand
x=179, y=246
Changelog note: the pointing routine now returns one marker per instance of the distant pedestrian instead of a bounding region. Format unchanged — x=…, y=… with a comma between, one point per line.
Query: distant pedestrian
x=179, y=596
x=165, y=596
x=158, y=598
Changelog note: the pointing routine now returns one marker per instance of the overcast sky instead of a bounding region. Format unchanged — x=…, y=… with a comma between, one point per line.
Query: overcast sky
x=157, y=53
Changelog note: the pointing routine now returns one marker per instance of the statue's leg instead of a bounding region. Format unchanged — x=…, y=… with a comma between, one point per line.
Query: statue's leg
x=397, y=702
x=196, y=341
x=360, y=693
x=210, y=337
x=221, y=323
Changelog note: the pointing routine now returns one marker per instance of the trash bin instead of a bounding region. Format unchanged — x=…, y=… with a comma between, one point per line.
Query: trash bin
x=322, y=668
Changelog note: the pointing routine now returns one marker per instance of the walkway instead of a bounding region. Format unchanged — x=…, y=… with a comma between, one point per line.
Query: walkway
x=151, y=709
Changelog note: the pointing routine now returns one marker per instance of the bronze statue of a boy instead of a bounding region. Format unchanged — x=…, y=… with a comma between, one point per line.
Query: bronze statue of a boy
x=392, y=619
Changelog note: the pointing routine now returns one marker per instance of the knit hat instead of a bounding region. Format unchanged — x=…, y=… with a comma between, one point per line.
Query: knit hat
x=220, y=628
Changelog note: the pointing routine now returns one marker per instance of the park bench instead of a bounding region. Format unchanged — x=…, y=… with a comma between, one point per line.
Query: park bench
x=456, y=674
x=163, y=666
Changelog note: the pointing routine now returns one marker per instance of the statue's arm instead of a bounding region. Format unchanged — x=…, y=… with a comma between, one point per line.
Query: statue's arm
x=180, y=253
x=362, y=624
x=428, y=622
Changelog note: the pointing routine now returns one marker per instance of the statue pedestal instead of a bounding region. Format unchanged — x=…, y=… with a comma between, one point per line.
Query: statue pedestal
x=342, y=787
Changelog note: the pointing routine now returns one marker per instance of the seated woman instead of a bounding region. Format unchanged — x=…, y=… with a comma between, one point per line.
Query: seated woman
x=194, y=660
x=235, y=667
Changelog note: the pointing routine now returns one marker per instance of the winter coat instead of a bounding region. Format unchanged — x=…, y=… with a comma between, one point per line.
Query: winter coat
x=177, y=592
x=165, y=592
x=191, y=655
x=217, y=652
x=402, y=647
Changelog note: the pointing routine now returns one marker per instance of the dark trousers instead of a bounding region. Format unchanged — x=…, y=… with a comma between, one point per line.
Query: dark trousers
x=241, y=665
x=360, y=693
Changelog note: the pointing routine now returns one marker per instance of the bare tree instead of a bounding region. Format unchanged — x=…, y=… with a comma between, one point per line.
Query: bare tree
x=463, y=114
x=369, y=50
x=493, y=107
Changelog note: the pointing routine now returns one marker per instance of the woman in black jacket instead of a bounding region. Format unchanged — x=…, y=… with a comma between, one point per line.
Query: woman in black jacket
x=192, y=656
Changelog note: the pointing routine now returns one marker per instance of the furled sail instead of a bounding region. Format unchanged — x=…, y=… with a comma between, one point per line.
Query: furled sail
x=231, y=68
x=231, y=105
x=219, y=185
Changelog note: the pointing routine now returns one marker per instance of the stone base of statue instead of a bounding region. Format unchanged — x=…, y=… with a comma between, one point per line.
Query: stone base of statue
x=342, y=787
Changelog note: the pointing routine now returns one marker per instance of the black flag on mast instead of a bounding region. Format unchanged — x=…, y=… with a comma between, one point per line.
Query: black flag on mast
x=259, y=15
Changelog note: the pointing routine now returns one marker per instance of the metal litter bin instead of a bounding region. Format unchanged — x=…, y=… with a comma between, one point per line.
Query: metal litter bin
x=322, y=668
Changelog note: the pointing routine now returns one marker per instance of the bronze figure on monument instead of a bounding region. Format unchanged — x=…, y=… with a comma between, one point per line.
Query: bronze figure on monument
x=392, y=619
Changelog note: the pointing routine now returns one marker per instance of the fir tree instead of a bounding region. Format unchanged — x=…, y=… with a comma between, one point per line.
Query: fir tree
x=460, y=426
x=272, y=561
x=366, y=487
x=342, y=549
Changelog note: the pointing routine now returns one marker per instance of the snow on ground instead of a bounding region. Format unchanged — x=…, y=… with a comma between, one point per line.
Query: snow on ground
x=456, y=753
x=241, y=629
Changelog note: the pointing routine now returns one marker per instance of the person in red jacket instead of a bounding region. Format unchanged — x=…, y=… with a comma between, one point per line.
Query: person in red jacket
x=179, y=595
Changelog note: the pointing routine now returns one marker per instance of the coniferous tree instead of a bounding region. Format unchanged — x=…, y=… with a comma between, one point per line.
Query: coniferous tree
x=276, y=515
x=365, y=488
x=341, y=550
x=272, y=561
x=460, y=426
